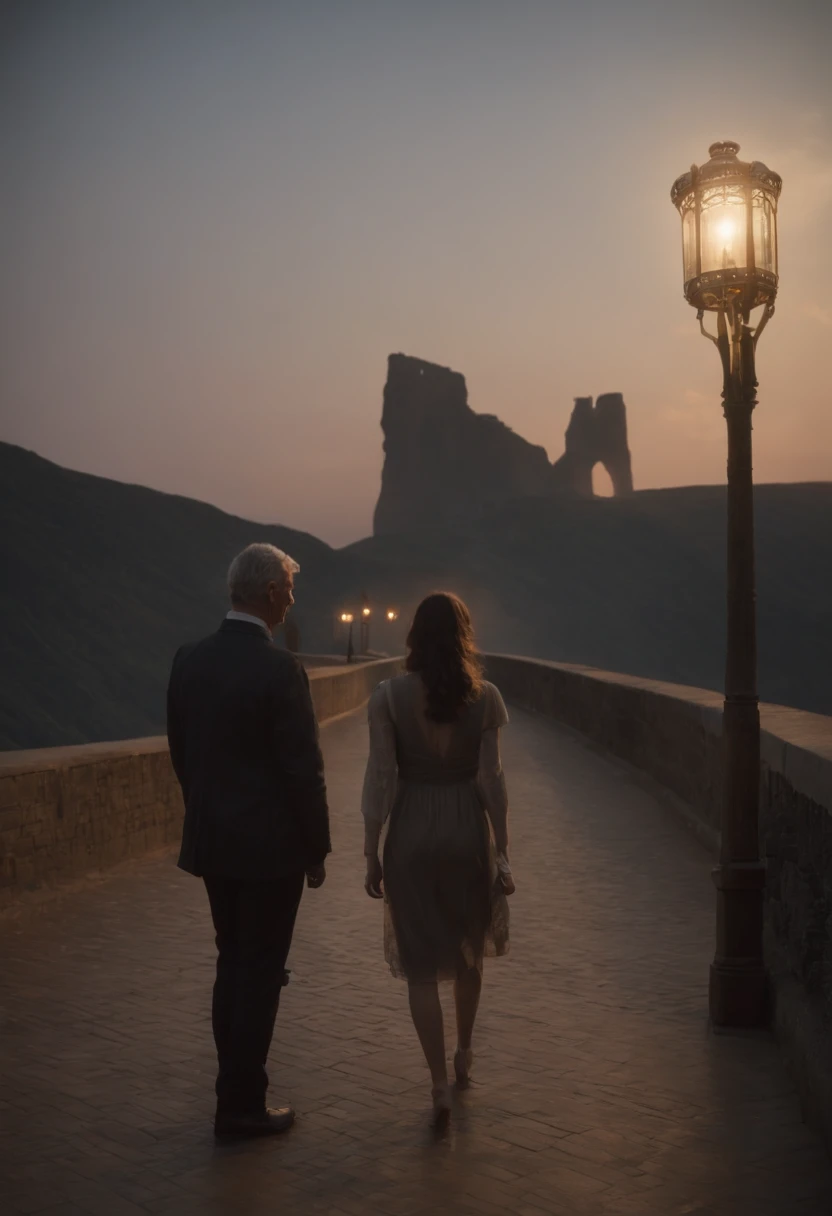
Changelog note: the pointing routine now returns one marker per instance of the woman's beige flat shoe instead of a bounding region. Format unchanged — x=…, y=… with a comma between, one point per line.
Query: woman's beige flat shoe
x=442, y=1104
x=463, y=1062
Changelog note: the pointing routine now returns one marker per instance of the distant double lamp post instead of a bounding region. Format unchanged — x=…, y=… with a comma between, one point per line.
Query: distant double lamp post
x=729, y=252
x=364, y=618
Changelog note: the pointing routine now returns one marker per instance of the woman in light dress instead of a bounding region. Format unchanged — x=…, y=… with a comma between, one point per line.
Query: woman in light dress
x=434, y=770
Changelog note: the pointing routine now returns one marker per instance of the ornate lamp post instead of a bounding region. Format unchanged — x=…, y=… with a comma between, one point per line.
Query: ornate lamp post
x=729, y=252
x=366, y=612
x=392, y=616
x=347, y=619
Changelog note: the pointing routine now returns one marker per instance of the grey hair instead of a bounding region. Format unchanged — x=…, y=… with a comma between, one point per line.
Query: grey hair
x=252, y=570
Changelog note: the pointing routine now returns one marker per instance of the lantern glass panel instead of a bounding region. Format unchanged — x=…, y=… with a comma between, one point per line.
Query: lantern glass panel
x=723, y=228
x=762, y=212
x=689, y=241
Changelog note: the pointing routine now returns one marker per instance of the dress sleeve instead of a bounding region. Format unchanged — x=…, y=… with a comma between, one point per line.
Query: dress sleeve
x=496, y=713
x=381, y=775
x=491, y=779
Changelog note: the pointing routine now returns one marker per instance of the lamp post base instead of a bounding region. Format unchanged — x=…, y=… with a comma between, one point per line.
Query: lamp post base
x=738, y=994
x=738, y=991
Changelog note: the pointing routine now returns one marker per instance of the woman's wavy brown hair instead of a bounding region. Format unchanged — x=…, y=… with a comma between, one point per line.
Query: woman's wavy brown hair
x=441, y=649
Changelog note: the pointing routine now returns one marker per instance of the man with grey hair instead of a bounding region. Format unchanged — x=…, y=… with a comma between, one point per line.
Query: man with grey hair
x=244, y=745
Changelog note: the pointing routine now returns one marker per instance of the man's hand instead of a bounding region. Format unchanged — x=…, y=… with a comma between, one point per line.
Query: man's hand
x=316, y=876
x=373, y=881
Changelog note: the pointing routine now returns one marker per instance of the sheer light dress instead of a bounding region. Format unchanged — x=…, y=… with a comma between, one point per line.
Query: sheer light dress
x=440, y=789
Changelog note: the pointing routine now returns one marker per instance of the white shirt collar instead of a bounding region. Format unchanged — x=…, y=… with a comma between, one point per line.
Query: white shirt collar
x=249, y=619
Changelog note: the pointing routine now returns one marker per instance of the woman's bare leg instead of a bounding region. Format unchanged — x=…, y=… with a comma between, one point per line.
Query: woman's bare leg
x=426, y=1011
x=467, y=988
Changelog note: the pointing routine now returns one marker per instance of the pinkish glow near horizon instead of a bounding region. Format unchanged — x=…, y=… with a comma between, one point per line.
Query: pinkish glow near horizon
x=220, y=220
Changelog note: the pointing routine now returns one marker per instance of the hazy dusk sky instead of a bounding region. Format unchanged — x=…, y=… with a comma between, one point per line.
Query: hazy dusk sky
x=218, y=219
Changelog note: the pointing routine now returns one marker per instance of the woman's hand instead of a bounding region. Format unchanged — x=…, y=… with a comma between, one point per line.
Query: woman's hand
x=506, y=876
x=374, y=879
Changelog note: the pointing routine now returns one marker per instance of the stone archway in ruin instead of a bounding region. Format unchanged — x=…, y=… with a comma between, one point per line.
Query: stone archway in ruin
x=602, y=483
x=596, y=435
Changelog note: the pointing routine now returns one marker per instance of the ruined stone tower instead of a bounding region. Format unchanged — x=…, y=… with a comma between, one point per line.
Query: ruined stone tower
x=445, y=464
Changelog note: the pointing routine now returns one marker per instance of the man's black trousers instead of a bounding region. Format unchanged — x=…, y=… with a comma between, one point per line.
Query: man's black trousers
x=254, y=923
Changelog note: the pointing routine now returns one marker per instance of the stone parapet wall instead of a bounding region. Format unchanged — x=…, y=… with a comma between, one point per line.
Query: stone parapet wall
x=669, y=731
x=339, y=690
x=67, y=812
x=672, y=733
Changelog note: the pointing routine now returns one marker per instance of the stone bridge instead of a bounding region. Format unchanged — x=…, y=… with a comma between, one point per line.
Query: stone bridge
x=600, y=1088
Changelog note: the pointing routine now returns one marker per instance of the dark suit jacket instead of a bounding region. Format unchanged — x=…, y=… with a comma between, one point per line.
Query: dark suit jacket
x=244, y=745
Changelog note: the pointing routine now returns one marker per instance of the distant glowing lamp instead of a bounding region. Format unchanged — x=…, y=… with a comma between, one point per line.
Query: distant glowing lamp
x=391, y=615
x=365, y=611
x=347, y=618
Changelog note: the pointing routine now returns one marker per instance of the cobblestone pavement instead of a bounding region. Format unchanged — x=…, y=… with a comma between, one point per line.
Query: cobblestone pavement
x=600, y=1089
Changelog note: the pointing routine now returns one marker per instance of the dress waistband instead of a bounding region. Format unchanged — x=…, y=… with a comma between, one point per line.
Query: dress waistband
x=410, y=777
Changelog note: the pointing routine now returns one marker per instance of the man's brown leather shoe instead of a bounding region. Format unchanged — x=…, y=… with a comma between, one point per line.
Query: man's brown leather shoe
x=269, y=1122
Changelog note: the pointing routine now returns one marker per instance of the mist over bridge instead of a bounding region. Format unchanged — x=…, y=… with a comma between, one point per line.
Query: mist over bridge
x=599, y=1088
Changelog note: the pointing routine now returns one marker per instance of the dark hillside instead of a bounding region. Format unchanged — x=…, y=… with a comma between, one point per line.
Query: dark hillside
x=101, y=582
x=637, y=584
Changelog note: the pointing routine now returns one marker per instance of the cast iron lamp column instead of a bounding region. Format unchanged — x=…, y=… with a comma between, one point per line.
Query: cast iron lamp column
x=364, y=622
x=729, y=249
x=347, y=618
